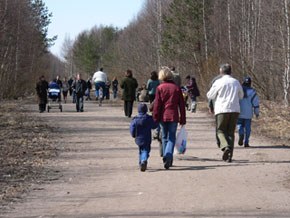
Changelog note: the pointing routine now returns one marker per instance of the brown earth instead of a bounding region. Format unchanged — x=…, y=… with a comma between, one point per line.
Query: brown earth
x=96, y=172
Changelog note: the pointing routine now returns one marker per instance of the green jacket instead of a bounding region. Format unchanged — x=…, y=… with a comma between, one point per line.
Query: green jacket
x=129, y=85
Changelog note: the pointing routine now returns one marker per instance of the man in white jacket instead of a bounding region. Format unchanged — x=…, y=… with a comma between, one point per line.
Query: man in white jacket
x=226, y=92
x=100, y=79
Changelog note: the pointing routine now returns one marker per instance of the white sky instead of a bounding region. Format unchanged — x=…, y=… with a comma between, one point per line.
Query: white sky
x=70, y=17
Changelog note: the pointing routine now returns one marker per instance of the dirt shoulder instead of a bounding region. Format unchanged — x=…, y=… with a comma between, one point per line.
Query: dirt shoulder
x=25, y=148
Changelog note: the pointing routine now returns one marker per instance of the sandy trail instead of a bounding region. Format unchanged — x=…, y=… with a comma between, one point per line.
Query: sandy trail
x=100, y=176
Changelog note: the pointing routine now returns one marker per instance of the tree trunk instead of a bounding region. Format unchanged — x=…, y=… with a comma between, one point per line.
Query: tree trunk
x=287, y=55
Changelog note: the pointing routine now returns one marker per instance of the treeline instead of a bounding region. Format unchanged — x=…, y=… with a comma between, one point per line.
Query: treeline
x=24, y=47
x=195, y=37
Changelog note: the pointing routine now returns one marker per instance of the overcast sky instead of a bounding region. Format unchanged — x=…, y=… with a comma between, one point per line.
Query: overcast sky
x=70, y=17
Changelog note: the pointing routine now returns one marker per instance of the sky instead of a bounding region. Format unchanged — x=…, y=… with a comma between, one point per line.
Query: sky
x=71, y=17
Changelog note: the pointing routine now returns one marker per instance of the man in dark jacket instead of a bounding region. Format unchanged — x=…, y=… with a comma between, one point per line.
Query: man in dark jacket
x=41, y=90
x=140, y=129
x=129, y=85
x=79, y=87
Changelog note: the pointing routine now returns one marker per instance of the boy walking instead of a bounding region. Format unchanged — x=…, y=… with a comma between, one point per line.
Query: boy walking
x=249, y=104
x=140, y=129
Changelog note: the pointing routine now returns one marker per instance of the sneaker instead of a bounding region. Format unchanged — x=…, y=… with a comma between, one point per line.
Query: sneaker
x=227, y=154
x=241, y=140
x=247, y=145
x=167, y=165
x=143, y=166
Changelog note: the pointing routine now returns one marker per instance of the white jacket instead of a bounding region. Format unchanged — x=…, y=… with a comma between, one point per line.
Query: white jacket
x=226, y=92
x=100, y=76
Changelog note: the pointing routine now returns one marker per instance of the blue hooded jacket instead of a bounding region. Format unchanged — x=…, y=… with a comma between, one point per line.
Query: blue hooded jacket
x=249, y=104
x=141, y=125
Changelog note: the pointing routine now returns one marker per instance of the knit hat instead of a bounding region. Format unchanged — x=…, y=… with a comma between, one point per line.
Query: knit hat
x=142, y=108
x=247, y=81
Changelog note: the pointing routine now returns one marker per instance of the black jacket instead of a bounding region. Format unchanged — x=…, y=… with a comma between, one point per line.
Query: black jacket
x=79, y=87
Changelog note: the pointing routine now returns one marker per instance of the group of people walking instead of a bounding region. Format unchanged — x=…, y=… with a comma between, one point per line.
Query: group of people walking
x=232, y=103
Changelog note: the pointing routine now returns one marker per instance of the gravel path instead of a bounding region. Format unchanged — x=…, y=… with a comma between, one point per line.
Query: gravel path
x=100, y=175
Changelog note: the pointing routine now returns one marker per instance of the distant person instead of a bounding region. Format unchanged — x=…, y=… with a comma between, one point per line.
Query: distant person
x=79, y=87
x=140, y=129
x=249, y=105
x=100, y=79
x=176, y=76
x=89, y=87
x=193, y=92
x=107, y=90
x=226, y=92
x=58, y=81
x=143, y=94
x=115, y=85
x=129, y=85
x=65, y=88
x=168, y=110
x=152, y=84
x=70, y=82
x=41, y=91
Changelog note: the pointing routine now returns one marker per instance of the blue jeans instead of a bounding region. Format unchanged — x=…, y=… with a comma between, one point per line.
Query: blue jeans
x=168, y=130
x=144, y=153
x=244, y=128
x=99, y=85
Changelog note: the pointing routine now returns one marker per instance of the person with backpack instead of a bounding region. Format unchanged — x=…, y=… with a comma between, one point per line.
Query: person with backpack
x=140, y=129
x=249, y=105
x=79, y=87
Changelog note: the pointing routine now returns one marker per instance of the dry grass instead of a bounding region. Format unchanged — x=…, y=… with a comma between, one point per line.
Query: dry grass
x=25, y=147
x=273, y=123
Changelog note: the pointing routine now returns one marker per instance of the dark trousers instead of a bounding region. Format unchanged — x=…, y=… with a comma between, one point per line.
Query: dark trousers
x=128, y=108
x=151, y=98
x=42, y=107
x=80, y=103
x=226, y=124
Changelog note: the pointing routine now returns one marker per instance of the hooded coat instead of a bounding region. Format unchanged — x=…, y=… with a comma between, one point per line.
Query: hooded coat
x=141, y=125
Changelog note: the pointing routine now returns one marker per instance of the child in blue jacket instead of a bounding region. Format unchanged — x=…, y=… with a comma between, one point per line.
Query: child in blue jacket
x=140, y=129
x=249, y=105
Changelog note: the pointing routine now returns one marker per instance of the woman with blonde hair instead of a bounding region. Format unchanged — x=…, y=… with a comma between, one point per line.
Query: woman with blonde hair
x=168, y=110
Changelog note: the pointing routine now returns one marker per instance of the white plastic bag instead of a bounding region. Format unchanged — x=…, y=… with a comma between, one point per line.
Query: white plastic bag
x=181, y=140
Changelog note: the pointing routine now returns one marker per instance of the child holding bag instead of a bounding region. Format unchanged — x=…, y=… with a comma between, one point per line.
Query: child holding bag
x=140, y=129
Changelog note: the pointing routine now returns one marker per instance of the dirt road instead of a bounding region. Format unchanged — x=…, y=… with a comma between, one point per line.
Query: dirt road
x=100, y=176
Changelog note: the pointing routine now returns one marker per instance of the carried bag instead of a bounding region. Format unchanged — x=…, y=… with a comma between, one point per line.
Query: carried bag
x=181, y=140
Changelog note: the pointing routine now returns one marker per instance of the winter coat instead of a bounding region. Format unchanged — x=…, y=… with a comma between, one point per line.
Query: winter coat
x=80, y=87
x=115, y=84
x=249, y=104
x=193, y=90
x=151, y=86
x=140, y=129
x=129, y=85
x=41, y=90
x=226, y=92
x=169, y=104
